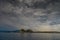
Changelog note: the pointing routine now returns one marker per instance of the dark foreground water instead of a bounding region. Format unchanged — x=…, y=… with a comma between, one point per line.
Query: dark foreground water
x=29, y=36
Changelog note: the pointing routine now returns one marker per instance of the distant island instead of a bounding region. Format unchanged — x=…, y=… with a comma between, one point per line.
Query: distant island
x=30, y=31
x=21, y=31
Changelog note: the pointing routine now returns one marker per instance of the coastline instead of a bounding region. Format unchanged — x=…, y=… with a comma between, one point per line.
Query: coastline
x=29, y=32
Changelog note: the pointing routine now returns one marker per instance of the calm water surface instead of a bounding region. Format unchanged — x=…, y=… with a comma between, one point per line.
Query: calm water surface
x=29, y=36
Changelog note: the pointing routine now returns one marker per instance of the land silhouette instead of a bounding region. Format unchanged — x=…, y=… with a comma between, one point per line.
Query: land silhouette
x=30, y=31
x=21, y=31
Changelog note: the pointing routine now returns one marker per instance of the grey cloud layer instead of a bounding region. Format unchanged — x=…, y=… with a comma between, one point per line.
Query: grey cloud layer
x=30, y=14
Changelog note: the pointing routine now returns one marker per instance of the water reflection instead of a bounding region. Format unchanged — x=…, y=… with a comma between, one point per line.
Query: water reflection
x=39, y=36
x=26, y=36
x=29, y=36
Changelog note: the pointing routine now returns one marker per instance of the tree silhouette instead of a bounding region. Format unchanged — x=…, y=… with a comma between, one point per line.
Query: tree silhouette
x=29, y=30
x=22, y=30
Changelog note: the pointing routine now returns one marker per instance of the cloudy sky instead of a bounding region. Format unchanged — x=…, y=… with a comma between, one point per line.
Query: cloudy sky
x=38, y=15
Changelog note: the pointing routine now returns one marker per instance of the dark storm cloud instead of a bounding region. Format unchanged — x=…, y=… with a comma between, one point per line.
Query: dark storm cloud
x=8, y=14
x=7, y=7
x=41, y=4
x=43, y=18
x=24, y=14
x=34, y=4
x=56, y=19
x=13, y=2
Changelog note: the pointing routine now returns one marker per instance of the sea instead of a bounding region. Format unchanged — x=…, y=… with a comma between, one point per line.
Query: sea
x=29, y=36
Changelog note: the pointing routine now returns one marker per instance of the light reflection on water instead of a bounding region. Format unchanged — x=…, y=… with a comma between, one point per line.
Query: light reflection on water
x=29, y=36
